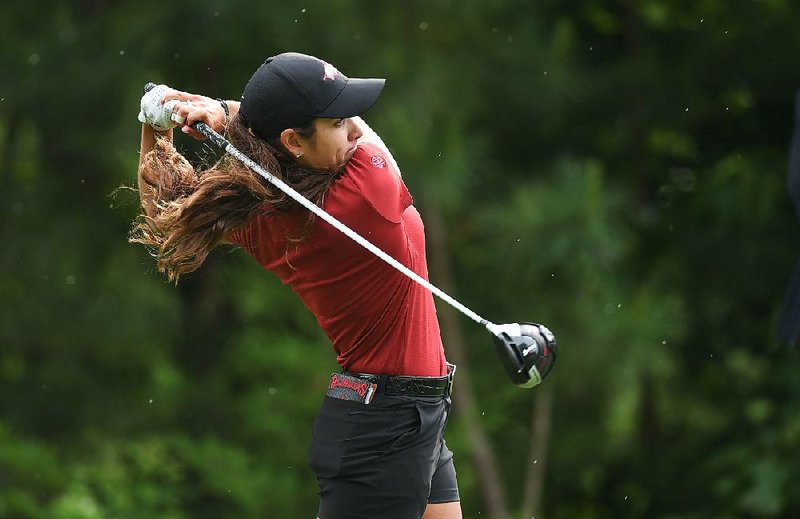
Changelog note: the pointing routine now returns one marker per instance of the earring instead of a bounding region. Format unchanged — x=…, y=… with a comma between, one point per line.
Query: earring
x=299, y=155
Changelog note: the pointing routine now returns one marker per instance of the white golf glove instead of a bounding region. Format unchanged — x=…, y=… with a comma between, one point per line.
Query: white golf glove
x=160, y=117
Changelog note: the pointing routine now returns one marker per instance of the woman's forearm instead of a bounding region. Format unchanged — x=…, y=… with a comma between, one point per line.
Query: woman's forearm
x=146, y=191
x=203, y=108
x=233, y=106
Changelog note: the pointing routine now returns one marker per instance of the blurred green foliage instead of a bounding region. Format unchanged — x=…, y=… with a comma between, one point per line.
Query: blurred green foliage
x=612, y=169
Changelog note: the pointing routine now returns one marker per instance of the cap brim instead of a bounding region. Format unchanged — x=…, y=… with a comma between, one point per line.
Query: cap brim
x=357, y=96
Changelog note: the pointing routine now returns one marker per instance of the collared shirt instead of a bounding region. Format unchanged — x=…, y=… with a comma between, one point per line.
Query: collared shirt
x=378, y=319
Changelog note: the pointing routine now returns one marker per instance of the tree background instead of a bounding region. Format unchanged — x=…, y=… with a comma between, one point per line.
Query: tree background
x=614, y=169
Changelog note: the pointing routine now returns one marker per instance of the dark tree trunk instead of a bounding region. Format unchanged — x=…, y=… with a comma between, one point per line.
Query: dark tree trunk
x=463, y=398
x=540, y=441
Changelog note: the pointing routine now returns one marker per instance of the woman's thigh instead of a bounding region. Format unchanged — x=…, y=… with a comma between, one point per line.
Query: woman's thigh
x=443, y=511
x=372, y=461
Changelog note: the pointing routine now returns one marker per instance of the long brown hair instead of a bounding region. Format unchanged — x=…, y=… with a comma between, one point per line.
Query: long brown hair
x=195, y=211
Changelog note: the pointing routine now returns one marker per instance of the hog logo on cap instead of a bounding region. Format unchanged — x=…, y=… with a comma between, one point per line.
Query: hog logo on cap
x=330, y=72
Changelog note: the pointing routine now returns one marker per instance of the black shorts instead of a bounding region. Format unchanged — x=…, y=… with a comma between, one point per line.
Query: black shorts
x=384, y=459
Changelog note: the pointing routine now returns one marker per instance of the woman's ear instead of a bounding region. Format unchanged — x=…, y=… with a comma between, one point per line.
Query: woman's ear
x=290, y=140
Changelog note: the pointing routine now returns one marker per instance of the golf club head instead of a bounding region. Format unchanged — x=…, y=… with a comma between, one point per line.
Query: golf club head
x=527, y=351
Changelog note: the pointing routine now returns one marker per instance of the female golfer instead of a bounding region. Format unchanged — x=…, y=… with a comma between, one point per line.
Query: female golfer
x=377, y=447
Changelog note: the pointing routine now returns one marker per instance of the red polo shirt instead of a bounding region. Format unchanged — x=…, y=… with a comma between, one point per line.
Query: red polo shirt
x=378, y=320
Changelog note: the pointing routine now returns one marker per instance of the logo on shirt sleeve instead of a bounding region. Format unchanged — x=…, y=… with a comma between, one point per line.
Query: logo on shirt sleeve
x=378, y=161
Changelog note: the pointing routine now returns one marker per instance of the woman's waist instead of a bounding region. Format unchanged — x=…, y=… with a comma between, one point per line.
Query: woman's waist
x=417, y=358
x=363, y=387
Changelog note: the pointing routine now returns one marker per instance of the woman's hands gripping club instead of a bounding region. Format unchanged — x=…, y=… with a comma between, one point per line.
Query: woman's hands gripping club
x=164, y=108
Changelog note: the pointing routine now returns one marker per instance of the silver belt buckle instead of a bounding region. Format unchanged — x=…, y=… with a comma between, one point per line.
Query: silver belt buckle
x=451, y=374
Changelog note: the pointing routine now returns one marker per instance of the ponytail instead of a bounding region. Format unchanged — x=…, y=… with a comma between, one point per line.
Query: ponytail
x=195, y=211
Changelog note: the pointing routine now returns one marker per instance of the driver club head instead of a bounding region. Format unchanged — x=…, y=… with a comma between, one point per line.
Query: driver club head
x=526, y=350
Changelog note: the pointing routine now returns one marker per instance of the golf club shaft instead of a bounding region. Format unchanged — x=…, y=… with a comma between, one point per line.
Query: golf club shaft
x=221, y=142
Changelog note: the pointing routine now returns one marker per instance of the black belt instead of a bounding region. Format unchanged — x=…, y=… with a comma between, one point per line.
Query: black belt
x=401, y=385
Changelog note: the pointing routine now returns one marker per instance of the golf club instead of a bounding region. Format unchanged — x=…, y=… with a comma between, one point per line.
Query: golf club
x=527, y=350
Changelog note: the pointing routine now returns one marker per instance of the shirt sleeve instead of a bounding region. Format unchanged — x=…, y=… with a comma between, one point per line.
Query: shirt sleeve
x=370, y=137
x=375, y=176
x=236, y=237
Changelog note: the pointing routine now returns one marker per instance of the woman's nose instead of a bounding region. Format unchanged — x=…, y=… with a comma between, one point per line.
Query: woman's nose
x=355, y=132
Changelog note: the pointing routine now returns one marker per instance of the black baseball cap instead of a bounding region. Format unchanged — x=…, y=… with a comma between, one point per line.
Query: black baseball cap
x=290, y=89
